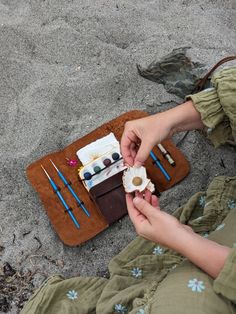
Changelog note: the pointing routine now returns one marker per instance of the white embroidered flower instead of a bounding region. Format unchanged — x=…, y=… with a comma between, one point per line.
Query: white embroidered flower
x=196, y=285
x=174, y=266
x=141, y=311
x=205, y=235
x=157, y=250
x=136, y=272
x=219, y=227
x=231, y=204
x=72, y=294
x=202, y=201
x=120, y=308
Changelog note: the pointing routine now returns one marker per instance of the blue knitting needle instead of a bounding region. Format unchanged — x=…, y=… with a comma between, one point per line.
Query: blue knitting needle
x=80, y=203
x=55, y=188
x=159, y=165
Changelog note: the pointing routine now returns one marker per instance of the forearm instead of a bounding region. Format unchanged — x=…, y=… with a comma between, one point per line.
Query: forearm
x=184, y=117
x=206, y=254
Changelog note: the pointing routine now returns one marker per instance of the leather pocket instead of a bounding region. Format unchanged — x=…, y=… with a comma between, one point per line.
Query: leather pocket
x=109, y=196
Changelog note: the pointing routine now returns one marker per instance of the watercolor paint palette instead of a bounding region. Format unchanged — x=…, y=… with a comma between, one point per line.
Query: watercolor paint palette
x=102, y=168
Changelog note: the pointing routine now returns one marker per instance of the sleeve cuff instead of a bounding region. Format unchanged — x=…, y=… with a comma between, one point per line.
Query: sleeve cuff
x=212, y=114
x=225, y=283
x=208, y=105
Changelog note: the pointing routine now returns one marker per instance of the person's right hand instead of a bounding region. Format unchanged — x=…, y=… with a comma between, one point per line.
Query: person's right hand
x=140, y=136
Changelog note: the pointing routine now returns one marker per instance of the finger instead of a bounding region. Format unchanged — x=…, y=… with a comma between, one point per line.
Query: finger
x=144, y=207
x=148, y=196
x=128, y=141
x=134, y=214
x=128, y=159
x=143, y=153
x=155, y=202
x=138, y=194
x=133, y=150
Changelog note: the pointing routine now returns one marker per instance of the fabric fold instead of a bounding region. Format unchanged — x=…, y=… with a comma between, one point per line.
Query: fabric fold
x=217, y=107
x=225, y=283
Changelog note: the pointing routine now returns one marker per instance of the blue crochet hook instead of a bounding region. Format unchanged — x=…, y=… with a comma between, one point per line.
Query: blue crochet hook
x=80, y=203
x=56, y=190
x=159, y=165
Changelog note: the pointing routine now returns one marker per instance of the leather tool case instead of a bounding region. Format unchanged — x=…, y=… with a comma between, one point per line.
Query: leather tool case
x=105, y=201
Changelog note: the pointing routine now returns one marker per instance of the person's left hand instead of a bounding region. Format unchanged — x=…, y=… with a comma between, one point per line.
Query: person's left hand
x=152, y=223
x=155, y=225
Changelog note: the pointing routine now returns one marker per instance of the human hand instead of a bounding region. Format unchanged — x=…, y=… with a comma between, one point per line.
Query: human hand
x=157, y=226
x=140, y=136
x=153, y=224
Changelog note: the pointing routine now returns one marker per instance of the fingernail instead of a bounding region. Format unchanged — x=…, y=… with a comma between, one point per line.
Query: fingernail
x=137, y=200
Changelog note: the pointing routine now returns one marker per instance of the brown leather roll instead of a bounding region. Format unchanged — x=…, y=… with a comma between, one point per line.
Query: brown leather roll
x=106, y=201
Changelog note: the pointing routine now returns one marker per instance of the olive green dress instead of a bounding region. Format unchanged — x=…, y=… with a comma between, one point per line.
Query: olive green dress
x=148, y=278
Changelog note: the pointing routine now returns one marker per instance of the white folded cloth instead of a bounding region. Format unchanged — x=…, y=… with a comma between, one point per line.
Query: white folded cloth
x=93, y=155
x=98, y=148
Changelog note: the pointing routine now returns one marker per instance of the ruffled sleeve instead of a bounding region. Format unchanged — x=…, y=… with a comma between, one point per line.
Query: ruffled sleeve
x=225, y=283
x=217, y=106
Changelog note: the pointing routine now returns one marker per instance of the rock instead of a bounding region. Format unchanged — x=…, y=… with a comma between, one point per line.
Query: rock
x=8, y=270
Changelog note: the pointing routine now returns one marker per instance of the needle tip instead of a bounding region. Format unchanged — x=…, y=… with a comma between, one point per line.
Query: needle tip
x=53, y=164
x=45, y=172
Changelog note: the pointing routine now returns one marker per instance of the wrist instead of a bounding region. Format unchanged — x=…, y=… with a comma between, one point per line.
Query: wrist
x=206, y=254
x=178, y=238
x=184, y=117
x=189, y=242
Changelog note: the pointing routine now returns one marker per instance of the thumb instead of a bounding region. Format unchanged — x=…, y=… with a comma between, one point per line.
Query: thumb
x=142, y=153
x=144, y=207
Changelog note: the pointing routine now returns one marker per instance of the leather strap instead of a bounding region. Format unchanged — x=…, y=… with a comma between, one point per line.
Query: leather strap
x=202, y=82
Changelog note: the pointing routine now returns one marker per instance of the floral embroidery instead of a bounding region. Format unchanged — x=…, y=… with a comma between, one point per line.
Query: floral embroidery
x=72, y=294
x=141, y=311
x=205, y=235
x=174, y=266
x=196, y=285
x=120, y=308
x=202, y=201
x=231, y=204
x=219, y=227
x=136, y=272
x=157, y=250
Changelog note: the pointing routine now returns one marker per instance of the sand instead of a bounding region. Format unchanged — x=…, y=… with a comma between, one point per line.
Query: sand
x=68, y=66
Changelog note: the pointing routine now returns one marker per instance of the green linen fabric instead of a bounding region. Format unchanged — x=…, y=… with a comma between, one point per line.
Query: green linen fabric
x=149, y=278
x=225, y=284
x=217, y=106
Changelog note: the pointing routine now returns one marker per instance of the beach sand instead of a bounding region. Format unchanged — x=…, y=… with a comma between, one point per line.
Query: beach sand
x=66, y=67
